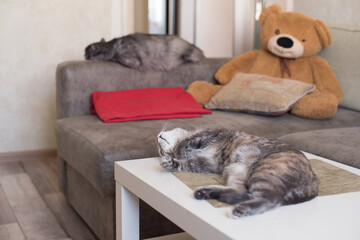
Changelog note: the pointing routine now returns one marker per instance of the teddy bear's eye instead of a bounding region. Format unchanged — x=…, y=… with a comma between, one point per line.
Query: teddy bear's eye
x=277, y=31
x=303, y=40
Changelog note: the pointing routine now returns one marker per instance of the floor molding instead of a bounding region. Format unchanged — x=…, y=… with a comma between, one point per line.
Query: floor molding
x=27, y=155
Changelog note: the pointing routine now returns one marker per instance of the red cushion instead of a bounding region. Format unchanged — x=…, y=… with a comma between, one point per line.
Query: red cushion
x=142, y=104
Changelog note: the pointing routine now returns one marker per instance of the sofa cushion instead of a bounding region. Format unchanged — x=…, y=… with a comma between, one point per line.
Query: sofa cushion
x=344, y=58
x=262, y=94
x=99, y=144
x=340, y=144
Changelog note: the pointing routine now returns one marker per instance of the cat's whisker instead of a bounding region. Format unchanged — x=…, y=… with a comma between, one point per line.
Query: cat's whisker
x=164, y=128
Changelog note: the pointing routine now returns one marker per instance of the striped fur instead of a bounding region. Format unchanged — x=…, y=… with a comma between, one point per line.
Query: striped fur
x=260, y=173
x=145, y=51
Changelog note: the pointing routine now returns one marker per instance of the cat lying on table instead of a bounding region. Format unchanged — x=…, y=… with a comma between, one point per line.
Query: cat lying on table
x=260, y=173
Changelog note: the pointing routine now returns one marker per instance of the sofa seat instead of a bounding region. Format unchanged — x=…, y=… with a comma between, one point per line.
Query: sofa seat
x=339, y=144
x=99, y=144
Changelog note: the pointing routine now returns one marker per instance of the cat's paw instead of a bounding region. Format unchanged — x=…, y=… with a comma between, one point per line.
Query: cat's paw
x=206, y=192
x=240, y=211
x=169, y=164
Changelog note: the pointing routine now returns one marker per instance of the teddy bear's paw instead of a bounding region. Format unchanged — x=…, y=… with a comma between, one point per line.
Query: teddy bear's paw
x=202, y=91
x=316, y=105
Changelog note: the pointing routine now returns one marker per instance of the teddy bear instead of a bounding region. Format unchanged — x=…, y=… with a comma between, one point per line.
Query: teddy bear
x=290, y=42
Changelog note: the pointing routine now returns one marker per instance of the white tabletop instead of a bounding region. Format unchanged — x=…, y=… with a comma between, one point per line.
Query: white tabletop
x=326, y=217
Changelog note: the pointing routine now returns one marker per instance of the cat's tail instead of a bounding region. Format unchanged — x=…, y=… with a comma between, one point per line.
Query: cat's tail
x=254, y=206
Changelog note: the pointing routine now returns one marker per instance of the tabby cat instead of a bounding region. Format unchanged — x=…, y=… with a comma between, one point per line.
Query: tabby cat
x=260, y=173
x=145, y=51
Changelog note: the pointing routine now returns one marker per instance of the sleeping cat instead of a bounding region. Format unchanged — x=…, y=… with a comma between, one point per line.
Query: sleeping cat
x=260, y=173
x=145, y=51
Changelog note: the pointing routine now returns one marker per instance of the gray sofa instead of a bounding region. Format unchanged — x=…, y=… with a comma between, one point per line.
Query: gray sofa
x=88, y=147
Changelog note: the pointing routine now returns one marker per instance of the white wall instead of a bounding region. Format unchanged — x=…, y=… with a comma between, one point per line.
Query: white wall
x=35, y=36
x=344, y=12
x=222, y=28
x=214, y=26
x=244, y=26
x=186, y=20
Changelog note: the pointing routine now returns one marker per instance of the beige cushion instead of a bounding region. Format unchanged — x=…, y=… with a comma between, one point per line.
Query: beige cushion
x=260, y=94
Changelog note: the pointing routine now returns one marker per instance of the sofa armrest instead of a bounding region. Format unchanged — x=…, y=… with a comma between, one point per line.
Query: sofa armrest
x=76, y=80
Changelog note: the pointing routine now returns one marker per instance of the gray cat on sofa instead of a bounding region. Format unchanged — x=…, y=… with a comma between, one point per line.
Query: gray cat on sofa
x=145, y=51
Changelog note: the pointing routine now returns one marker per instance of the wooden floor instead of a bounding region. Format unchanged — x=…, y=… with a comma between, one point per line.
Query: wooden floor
x=31, y=205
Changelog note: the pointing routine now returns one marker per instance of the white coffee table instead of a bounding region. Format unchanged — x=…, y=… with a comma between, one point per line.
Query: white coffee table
x=326, y=217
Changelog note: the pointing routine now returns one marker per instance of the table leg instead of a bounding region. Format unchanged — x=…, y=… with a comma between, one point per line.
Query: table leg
x=127, y=214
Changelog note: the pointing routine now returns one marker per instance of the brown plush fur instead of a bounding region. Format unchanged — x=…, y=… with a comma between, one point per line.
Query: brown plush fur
x=313, y=35
x=207, y=91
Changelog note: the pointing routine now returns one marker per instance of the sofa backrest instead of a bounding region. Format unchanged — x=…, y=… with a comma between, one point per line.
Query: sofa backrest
x=76, y=80
x=343, y=56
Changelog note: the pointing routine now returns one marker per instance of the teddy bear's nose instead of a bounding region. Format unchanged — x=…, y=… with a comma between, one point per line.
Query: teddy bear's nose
x=285, y=42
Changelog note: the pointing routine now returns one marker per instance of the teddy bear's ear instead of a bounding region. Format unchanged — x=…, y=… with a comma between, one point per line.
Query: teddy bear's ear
x=273, y=9
x=323, y=33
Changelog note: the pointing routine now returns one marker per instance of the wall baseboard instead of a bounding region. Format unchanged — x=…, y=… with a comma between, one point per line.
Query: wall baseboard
x=27, y=155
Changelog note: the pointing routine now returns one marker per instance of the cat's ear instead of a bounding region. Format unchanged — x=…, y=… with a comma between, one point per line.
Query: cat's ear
x=102, y=40
x=93, y=47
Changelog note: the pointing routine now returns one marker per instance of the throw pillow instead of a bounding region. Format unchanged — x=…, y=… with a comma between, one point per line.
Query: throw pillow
x=261, y=94
x=145, y=104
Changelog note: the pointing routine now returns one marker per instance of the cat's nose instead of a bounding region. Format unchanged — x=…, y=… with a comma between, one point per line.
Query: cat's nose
x=159, y=136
